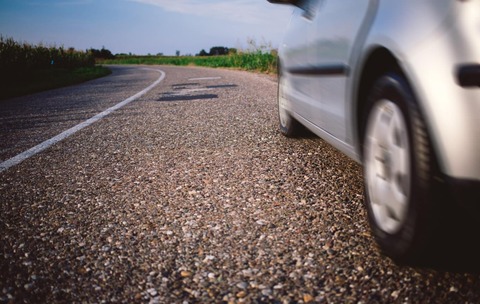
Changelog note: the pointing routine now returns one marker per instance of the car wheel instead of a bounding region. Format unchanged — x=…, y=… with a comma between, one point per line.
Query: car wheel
x=398, y=166
x=288, y=125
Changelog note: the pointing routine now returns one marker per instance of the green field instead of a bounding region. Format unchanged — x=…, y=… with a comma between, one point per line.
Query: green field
x=255, y=61
x=26, y=68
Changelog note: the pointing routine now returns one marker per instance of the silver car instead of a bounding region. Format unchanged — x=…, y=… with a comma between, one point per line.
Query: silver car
x=395, y=85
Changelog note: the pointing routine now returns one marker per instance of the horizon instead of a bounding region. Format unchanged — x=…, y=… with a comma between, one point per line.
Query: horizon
x=143, y=27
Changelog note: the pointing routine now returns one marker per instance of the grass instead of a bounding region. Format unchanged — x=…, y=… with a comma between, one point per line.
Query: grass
x=250, y=61
x=46, y=79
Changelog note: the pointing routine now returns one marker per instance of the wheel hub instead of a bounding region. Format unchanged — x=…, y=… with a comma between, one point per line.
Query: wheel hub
x=387, y=164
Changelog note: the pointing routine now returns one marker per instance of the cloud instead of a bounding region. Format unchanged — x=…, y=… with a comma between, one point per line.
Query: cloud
x=243, y=11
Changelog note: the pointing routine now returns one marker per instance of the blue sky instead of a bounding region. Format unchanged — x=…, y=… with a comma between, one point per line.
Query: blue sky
x=144, y=26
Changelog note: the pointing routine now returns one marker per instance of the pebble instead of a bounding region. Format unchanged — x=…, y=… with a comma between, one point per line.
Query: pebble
x=307, y=298
x=185, y=274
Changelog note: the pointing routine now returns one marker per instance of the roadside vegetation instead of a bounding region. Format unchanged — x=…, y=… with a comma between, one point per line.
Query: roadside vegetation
x=259, y=59
x=26, y=68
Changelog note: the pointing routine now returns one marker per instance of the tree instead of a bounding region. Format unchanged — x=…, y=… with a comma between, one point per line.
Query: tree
x=102, y=54
x=177, y=52
x=218, y=50
x=202, y=53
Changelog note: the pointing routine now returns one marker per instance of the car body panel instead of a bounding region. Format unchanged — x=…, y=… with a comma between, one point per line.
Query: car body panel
x=429, y=55
x=334, y=46
x=323, y=60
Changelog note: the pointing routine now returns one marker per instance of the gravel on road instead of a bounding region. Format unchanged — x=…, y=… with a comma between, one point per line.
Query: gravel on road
x=191, y=195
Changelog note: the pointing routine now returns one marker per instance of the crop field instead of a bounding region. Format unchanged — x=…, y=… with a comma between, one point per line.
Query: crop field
x=26, y=68
x=250, y=61
x=16, y=57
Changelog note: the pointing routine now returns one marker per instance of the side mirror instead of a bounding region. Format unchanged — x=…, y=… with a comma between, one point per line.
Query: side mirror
x=305, y=5
x=292, y=2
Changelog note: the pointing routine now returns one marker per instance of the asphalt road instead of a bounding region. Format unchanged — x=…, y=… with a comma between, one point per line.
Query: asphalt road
x=189, y=194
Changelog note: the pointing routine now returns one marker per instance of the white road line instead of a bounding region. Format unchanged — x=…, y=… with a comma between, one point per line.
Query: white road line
x=50, y=142
x=187, y=91
x=204, y=78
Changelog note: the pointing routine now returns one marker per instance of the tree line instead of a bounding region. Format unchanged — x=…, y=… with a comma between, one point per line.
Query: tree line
x=218, y=51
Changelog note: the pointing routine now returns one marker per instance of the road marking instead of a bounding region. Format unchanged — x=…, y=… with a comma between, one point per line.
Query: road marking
x=50, y=142
x=187, y=91
x=204, y=78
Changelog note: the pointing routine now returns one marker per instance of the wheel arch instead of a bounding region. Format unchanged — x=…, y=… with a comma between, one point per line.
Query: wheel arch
x=378, y=62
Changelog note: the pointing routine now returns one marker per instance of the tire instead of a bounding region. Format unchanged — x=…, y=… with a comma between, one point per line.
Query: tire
x=398, y=171
x=288, y=125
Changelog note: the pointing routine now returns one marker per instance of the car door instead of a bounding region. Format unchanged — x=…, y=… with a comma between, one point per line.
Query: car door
x=338, y=26
x=297, y=55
